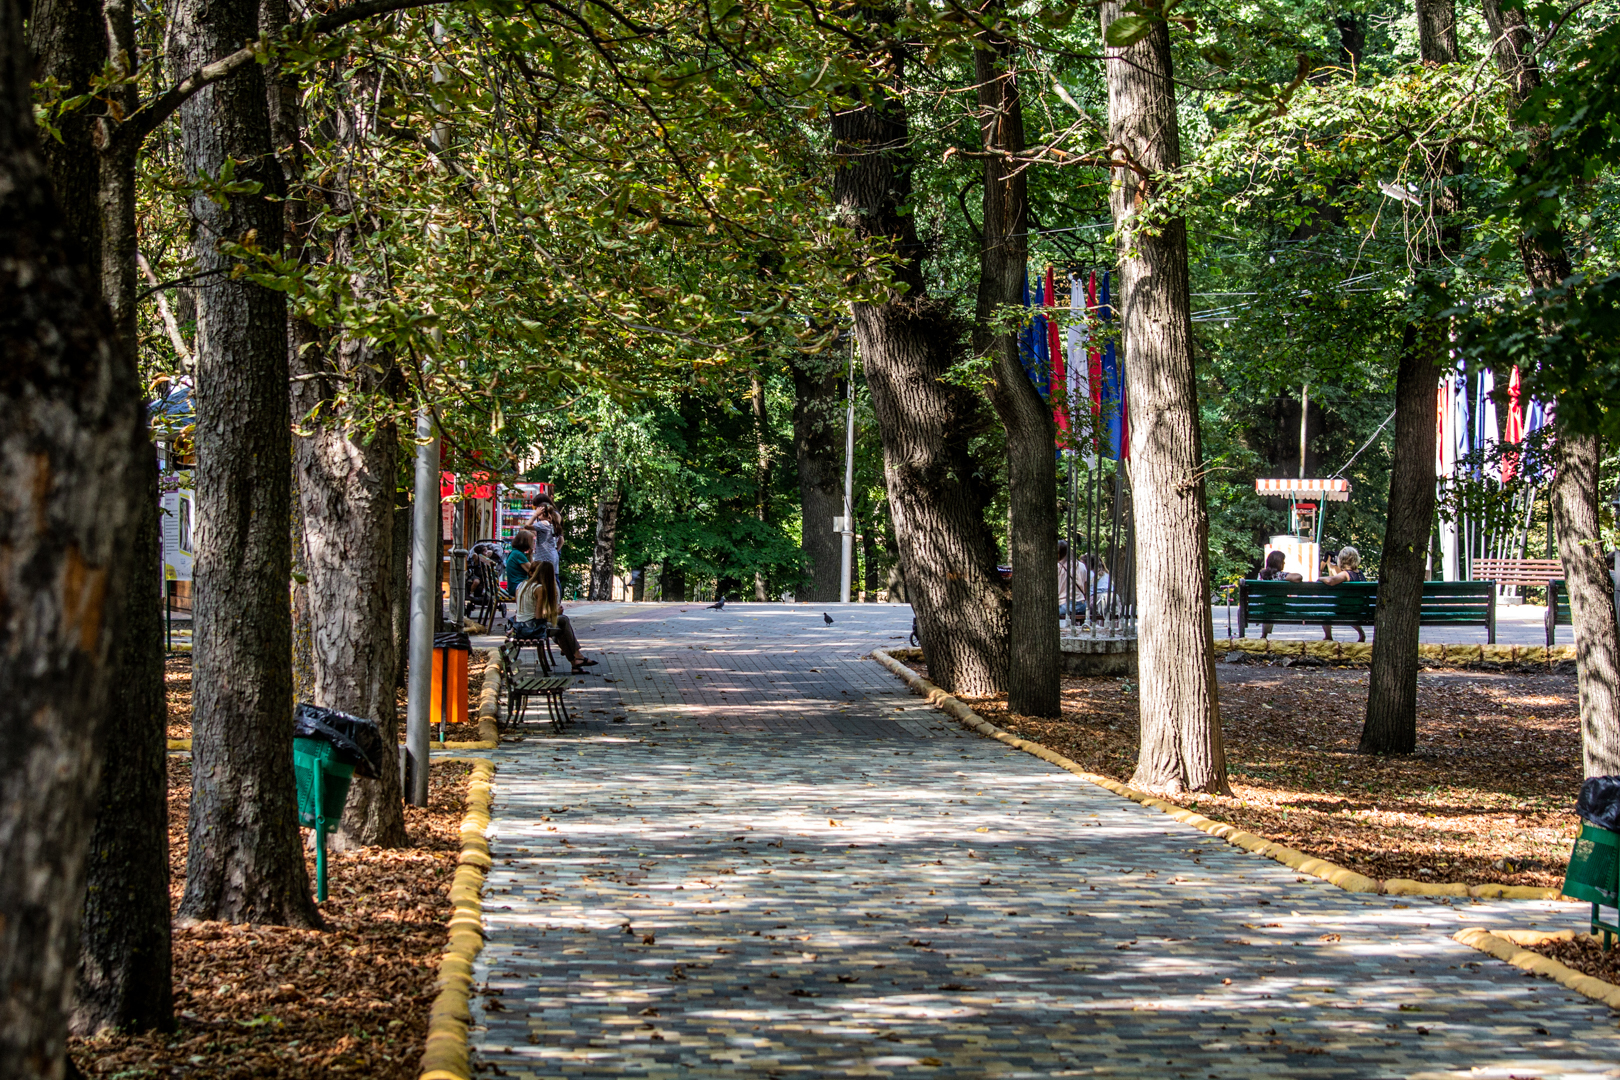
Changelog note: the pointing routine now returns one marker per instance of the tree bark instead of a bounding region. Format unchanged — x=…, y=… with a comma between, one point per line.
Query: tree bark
x=762, y=471
x=399, y=600
x=124, y=977
x=348, y=466
x=70, y=446
x=124, y=967
x=1181, y=747
x=1575, y=493
x=1390, y=726
x=607, y=532
x=1035, y=663
x=245, y=861
x=908, y=341
x=817, y=445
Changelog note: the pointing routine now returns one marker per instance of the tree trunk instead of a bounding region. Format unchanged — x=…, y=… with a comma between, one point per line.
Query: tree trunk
x=1181, y=723
x=348, y=469
x=245, y=861
x=607, y=532
x=818, y=444
x=1035, y=664
x=1390, y=726
x=70, y=447
x=908, y=341
x=1575, y=486
x=124, y=966
x=124, y=978
x=762, y=471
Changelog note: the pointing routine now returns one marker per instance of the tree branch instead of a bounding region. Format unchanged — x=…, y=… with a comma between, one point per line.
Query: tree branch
x=145, y=120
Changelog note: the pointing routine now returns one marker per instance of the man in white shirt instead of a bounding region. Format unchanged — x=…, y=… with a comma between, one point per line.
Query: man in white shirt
x=1071, y=582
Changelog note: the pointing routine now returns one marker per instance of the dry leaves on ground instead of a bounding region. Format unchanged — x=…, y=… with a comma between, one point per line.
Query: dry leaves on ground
x=1585, y=955
x=1488, y=797
x=272, y=1003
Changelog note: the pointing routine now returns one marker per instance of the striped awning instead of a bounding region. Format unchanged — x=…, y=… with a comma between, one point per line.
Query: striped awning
x=1323, y=490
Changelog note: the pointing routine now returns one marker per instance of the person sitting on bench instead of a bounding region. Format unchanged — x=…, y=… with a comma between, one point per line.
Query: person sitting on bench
x=1349, y=569
x=538, y=603
x=1272, y=570
x=517, y=560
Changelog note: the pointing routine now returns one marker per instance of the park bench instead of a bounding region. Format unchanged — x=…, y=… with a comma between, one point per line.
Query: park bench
x=1355, y=603
x=1558, y=613
x=1518, y=573
x=550, y=687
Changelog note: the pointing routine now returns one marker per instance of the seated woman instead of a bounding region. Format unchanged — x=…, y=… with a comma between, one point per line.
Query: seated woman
x=517, y=560
x=1272, y=570
x=539, y=602
x=1349, y=565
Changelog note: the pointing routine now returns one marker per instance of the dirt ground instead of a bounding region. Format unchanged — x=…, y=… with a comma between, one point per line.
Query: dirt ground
x=177, y=690
x=1488, y=797
x=277, y=1004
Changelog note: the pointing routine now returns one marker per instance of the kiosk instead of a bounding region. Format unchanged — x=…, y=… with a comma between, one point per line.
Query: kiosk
x=1302, y=544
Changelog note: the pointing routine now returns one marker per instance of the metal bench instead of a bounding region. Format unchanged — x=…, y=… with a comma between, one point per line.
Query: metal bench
x=1355, y=603
x=550, y=687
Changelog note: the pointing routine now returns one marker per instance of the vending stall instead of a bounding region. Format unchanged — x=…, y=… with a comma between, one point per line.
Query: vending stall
x=1302, y=544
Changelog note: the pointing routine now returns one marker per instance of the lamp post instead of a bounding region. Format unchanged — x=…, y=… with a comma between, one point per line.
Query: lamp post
x=845, y=526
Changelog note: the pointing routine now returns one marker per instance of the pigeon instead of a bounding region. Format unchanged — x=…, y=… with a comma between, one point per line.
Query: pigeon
x=718, y=605
x=826, y=618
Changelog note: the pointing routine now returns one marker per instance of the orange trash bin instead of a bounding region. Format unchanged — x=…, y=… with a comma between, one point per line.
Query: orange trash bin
x=450, y=652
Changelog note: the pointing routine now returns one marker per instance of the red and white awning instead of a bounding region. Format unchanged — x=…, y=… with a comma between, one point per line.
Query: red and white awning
x=1323, y=490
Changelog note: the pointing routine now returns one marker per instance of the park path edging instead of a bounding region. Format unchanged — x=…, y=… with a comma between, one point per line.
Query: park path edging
x=446, y=1055
x=1505, y=945
x=1355, y=652
x=1344, y=878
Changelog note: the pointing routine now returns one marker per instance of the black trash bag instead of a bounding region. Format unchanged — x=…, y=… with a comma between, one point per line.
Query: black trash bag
x=1599, y=803
x=452, y=639
x=359, y=741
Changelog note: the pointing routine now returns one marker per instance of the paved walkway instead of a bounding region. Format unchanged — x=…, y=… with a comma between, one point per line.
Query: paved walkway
x=759, y=857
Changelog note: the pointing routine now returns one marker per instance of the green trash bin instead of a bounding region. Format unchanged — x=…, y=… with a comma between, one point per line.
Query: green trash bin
x=1594, y=874
x=323, y=787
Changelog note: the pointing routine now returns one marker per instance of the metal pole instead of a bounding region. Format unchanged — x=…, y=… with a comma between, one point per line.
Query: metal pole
x=848, y=530
x=458, y=564
x=1304, y=414
x=424, y=605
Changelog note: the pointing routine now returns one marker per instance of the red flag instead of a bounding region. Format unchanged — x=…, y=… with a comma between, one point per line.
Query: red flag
x=1515, y=427
x=1060, y=376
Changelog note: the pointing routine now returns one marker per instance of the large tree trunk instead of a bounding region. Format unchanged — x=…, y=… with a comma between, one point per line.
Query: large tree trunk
x=818, y=446
x=124, y=966
x=762, y=470
x=124, y=978
x=908, y=341
x=1035, y=664
x=607, y=532
x=672, y=583
x=348, y=468
x=1181, y=723
x=69, y=446
x=245, y=861
x=1390, y=726
x=399, y=599
x=1575, y=488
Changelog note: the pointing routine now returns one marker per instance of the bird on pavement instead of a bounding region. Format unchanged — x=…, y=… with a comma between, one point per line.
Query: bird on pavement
x=826, y=618
x=718, y=605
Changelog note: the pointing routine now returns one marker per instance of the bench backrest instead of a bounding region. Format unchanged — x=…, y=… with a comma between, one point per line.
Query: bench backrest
x=1558, y=602
x=1444, y=602
x=1310, y=601
x=1533, y=572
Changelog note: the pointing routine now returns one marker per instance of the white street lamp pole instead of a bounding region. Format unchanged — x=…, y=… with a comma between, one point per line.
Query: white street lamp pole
x=845, y=525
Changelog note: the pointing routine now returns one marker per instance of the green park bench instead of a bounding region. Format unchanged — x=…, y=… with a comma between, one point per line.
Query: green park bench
x=1355, y=603
x=1558, y=613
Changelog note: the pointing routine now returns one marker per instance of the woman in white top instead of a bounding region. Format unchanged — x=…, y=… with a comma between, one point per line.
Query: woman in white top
x=1072, y=577
x=539, y=603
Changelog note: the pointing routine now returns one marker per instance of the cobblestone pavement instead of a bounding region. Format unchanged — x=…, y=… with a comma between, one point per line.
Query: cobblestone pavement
x=718, y=885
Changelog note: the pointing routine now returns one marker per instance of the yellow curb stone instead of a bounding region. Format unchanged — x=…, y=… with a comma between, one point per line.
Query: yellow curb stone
x=1343, y=877
x=1501, y=945
x=445, y=1055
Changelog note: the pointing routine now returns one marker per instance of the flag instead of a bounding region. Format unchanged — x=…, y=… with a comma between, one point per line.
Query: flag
x=1113, y=387
x=1059, y=378
x=1078, y=332
x=1490, y=434
x=1515, y=428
